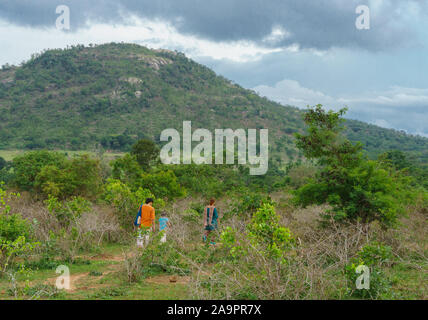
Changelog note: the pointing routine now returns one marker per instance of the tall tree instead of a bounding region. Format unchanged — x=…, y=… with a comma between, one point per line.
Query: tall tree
x=146, y=153
x=2, y=163
x=357, y=189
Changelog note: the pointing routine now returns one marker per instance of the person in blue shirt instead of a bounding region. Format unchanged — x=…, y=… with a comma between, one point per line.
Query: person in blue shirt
x=164, y=224
x=210, y=220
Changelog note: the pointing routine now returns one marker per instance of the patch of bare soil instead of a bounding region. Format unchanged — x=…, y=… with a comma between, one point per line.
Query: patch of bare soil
x=168, y=279
x=108, y=257
x=74, y=279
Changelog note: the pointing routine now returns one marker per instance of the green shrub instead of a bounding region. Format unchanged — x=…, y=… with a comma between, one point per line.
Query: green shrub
x=162, y=184
x=264, y=233
x=29, y=165
x=247, y=204
x=127, y=170
x=146, y=152
x=80, y=176
x=13, y=226
x=374, y=256
x=126, y=202
x=67, y=211
x=357, y=189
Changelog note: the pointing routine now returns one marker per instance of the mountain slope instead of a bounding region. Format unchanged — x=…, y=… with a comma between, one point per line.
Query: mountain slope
x=110, y=95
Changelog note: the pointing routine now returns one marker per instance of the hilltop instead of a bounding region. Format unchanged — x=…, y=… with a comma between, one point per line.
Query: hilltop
x=108, y=96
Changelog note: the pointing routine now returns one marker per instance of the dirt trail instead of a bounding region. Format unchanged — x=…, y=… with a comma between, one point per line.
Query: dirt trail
x=84, y=281
x=168, y=279
x=76, y=279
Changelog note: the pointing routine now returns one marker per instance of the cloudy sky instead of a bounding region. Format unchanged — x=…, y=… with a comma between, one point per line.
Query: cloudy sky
x=296, y=52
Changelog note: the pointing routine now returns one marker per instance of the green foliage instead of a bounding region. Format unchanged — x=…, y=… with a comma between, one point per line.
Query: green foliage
x=15, y=233
x=126, y=202
x=160, y=257
x=111, y=95
x=407, y=165
x=10, y=249
x=126, y=169
x=323, y=140
x=264, y=233
x=29, y=165
x=396, y=158
x=247, y=204
x=163, y=184
x=265, y=229
x=6, y=173
x=51, y=173
x=13, y=226
x=121, y=142
x=79, y=176
x=374, y=256
x=69, y=211
x=145, y=152
x=3, y=163
x=300, y=173
x=355, y=188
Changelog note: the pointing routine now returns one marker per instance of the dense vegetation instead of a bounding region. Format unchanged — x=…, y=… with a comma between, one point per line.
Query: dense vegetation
x=109, y=96
x=273, y=243
x=339, y=195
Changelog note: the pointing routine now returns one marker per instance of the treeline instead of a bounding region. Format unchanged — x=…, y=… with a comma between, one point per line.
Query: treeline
x=80, y=202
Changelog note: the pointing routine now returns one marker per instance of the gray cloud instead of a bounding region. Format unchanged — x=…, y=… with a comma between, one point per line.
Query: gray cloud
x=397, y=107
x=318, y=24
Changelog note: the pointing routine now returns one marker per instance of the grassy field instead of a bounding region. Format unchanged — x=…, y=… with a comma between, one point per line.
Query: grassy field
x=98, y=276
x=8, y=155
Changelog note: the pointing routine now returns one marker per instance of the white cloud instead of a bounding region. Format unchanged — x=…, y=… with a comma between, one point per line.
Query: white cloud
x=397, y=107
x=19, y=42
x=290, y=92
x=276, y=36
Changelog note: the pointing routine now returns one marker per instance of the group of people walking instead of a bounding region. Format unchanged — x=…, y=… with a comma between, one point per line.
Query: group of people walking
x=146, y=222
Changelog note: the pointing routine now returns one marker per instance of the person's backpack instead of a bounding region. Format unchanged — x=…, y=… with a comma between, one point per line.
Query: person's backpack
x=138, y=217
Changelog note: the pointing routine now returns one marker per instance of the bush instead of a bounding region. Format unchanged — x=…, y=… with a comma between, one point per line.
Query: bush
x=14, y=240
x=146, y=152
x=3, y=163
x=79, y=177
x=13, y=226
x=162, y=184
x=51, y=173
x=29, y=165
x=374, y=256
x=126, y=202
x=155, y=258
x=357, y=189
x=247, y=204
x=301, y=174
x=127, y=170
x=258, y=263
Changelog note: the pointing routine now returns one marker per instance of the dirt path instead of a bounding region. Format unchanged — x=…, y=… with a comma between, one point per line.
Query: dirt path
x=85, y=281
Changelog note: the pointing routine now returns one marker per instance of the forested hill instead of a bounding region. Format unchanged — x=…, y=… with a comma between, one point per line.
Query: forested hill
x=110, y=95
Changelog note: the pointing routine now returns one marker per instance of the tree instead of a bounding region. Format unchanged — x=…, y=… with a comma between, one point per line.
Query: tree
x=397, y=159
x=357, y=189
x=127, y=170
x=28, y=166
x=80, y=176
x=2, y=163
x=146, y=152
